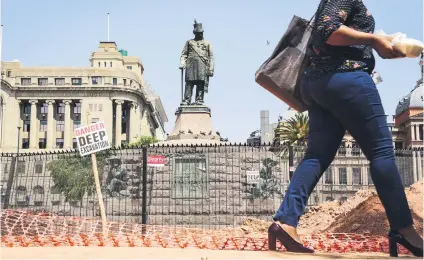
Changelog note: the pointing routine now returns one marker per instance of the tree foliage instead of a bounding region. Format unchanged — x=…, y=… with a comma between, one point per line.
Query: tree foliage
x=73, y=176
x=294, y=131
x=144, y=140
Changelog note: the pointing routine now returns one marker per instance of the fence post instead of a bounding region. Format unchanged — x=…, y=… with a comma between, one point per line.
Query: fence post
x=144, y=187
x=10, y=181
x=291, y=163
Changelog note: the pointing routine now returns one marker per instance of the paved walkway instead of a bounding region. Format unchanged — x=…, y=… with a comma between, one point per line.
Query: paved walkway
x=161, y=253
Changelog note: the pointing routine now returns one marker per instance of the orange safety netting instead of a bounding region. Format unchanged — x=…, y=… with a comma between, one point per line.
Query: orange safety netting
x=24, y=229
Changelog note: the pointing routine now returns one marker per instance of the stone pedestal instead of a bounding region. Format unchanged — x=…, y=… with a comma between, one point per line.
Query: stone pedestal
x=193, y=126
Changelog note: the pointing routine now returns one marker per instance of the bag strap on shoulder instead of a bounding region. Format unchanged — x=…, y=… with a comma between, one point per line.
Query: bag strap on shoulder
x=320, y=8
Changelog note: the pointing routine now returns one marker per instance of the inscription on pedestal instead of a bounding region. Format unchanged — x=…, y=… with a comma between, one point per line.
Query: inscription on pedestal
x=190, y=177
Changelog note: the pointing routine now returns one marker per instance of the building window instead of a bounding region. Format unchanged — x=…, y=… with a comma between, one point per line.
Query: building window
x=25, y=81
x=328, y=176
x=27, y=126
x=76, y=81
x=100, y=107
x=105, y=64
x=74, y=143
x=398, y=145
x=110, y=64
x=60, y=125
x=129, y=67
x=20, y=167
x=44, y=109
x=39, y=167
x=77, y=108
x=9, y=73
x=115, y=81
x=43, y=125
x=356, y=151
x=25, y=143
x=420, y=132
x=59, y=143
x=27, y=108
x=77, y=124
x=59, y=81
x=43, y=81
x=90, y=106
x=125, y=82
x=370, y=182
x=99, y=64
x=42, y=143
x=356, y=176
x=328, y=199
x=343, y=176
x=96, y=80
x=61, y=108
x=94, y=120
x=342, y=149
x=123, y=127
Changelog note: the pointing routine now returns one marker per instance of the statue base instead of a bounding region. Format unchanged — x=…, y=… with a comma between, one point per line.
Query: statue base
x=193, y=126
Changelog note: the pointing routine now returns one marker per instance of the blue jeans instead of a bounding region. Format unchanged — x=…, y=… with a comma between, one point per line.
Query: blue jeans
x=339, y=102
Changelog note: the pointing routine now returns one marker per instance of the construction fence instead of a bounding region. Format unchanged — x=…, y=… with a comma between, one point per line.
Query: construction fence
x=205, y=187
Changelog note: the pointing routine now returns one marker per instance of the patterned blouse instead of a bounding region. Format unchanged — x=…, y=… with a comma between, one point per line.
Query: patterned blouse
x=327, y=58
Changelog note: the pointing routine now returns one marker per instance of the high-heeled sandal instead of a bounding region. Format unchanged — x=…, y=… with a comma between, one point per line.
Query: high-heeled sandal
x=276, y=232
x=396, y=238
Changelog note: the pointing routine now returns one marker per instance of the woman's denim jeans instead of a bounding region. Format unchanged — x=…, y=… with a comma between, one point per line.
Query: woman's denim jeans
x=339, y=102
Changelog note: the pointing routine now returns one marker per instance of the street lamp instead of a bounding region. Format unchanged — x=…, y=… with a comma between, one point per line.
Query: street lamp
x=19, y=138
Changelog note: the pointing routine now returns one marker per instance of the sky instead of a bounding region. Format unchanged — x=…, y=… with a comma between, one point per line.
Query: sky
x=65, y=33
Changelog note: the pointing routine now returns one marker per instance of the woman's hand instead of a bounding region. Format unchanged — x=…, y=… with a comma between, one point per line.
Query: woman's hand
x=385, y=49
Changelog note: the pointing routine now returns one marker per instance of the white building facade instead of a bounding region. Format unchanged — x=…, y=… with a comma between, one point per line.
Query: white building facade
x=41, y=106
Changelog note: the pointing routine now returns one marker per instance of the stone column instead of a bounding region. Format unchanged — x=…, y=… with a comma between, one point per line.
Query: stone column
x=67, y=140
x=417, y=132
x=118, y=122
x=145, y=129
x=412, y=133
x=133, y=122
x=33, y=138
x=51, y=131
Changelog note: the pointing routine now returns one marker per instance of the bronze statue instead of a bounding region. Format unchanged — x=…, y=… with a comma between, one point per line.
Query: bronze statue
x=198, y=62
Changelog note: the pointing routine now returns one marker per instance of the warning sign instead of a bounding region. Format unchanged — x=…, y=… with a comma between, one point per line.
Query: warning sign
x=92, y=138
x=156, y=160
x=252, y=177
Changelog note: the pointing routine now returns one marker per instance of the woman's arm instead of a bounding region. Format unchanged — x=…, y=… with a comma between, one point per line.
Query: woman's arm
x=345, y=36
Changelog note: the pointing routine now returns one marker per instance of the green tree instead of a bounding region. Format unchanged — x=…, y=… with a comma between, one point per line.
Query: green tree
x=293, y=132
x=73, y=176
x=144, y=140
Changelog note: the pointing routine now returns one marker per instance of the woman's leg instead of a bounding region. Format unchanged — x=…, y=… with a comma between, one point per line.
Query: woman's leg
x=354, y=100
x=324, y=138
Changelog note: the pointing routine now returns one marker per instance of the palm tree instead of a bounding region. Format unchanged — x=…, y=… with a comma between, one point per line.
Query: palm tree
x=292, y=132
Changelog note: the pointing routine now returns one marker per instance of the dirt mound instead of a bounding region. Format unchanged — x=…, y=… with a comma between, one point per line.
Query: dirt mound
x=370, y=217
x=320, y=217
x=255, y=225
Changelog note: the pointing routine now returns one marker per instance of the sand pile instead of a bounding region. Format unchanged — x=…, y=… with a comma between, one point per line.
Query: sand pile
x=320, y=217
x=361, y=213
x=370, y=217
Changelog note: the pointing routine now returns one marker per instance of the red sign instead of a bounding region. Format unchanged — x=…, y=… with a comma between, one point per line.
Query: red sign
x=156, y=160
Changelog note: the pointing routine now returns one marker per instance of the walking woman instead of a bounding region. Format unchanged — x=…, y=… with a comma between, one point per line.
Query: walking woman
x=342, y=96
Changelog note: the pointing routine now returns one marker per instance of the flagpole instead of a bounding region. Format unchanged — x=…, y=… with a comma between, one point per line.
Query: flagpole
x=108, y=31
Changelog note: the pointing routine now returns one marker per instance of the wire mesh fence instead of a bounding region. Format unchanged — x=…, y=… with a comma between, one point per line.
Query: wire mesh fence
x=197, y=186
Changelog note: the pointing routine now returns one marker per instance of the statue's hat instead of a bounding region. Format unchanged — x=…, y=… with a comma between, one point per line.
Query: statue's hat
x=197, y=27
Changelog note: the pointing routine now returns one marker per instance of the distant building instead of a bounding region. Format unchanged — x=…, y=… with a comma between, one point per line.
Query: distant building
x=48, y=103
